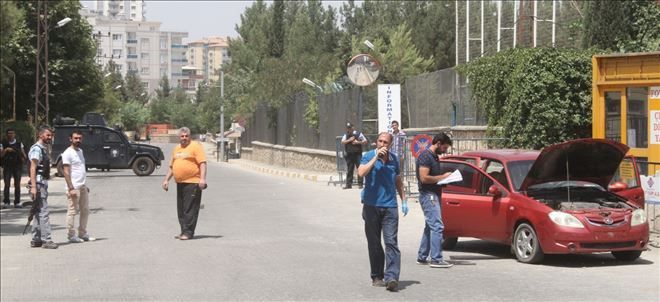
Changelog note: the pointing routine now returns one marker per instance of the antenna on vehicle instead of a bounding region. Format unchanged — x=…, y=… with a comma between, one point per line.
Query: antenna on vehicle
x=568, y=182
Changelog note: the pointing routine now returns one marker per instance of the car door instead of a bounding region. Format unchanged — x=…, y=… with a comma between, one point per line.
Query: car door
x=114, y=149
x=628, y=174
x=467, y=208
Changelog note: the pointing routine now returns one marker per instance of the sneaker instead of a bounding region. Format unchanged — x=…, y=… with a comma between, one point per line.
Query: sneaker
x=360, y=187
x=18, y=206
x=440, y=264
x=35, y=243
x=422, y=262
x=75, y=239
x=377, y=282
x=5, y=205
x=88, y=238
x=347, y=187
x=392, y=285
x=49, y=245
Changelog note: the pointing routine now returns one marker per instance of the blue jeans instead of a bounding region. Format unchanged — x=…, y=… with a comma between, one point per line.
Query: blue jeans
x=385, y=221
x=41, y=230
x=431, y=243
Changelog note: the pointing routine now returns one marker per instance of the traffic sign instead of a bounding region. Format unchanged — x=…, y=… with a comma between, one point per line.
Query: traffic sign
x=420, y=143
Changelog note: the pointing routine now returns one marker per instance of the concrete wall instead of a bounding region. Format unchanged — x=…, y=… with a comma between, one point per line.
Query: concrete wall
x=291, y=157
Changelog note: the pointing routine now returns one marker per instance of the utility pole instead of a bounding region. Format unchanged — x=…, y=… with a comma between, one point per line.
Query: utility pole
x=222, y=115
x=41, y=90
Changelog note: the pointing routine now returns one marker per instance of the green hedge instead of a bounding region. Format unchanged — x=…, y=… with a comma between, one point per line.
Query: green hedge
x=534, y=96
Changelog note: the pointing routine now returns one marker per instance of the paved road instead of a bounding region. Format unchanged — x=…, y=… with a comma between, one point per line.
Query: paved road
x=263, y=237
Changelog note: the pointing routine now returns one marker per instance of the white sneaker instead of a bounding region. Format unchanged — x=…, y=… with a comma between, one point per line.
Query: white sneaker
x=87, y=238
x=75, y=239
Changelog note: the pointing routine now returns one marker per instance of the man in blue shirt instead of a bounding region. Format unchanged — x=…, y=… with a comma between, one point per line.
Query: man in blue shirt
x=379, y=211
x=429, y=172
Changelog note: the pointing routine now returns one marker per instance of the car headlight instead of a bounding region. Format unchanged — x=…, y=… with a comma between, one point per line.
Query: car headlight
x=566, y=220
x=638, y=217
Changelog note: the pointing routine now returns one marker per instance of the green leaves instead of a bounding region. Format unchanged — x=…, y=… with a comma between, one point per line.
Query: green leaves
x=534, y=97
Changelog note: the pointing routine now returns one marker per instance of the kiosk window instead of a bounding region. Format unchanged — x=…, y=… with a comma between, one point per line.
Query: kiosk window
x=613, y=116
x=638, y=122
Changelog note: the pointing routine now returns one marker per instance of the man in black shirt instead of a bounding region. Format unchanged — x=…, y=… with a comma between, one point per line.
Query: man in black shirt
x=353, y=141
x=13, y=157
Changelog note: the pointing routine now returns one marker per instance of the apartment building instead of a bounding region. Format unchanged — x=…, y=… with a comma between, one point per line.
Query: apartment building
x=134, y=10
x=206, y=57
x=139, y=46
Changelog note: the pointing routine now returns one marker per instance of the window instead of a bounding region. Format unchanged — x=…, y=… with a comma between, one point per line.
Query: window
x=111, y=137
x=626, y=173
x=613, y=115
x=116, y=53
x=116, y=37
x=496, y=170
x=145, y=55
x=637, y=112
x=144, y=70
x=144, y=41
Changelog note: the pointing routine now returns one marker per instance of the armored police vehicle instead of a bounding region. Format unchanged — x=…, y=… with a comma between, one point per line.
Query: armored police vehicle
x=106, y=148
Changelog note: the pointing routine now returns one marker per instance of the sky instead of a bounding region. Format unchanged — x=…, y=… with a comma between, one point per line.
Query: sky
x=199, y=18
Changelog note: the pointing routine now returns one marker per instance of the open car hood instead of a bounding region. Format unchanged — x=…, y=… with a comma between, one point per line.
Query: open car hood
x=592, y=160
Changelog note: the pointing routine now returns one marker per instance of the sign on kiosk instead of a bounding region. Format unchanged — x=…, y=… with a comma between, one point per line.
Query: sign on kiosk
x=655, y=126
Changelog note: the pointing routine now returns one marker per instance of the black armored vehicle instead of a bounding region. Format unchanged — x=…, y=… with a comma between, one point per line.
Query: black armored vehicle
x=106, y=148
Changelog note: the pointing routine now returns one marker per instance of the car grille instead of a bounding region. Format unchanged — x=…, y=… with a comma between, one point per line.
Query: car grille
x=603, y=222
x=608, y=245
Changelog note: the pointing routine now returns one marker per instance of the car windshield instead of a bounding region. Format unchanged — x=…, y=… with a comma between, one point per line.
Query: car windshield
x=518, y=171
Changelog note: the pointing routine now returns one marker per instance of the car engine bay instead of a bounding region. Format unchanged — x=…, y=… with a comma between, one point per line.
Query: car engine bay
x=578, y=199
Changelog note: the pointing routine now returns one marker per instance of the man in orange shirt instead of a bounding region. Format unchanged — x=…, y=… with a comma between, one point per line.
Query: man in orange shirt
x=188, y=166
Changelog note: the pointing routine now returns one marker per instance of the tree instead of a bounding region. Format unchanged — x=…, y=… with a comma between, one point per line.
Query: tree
x=134, y=89
x=163, y=91
x=133, y=115
x=622, y=25
x=75, y=80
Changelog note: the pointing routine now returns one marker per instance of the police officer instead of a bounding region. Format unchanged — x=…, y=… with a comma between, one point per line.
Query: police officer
x=39, y=175
x=353, y=141
x=13, y=157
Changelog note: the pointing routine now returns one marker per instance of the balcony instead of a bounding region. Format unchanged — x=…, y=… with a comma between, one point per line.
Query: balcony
x=179, y=46
x=132, y=56
x=131, y=41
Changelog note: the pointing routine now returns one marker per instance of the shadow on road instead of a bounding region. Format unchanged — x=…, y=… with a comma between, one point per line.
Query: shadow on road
x=405, y=283
x=486, y=250
x=207, y=237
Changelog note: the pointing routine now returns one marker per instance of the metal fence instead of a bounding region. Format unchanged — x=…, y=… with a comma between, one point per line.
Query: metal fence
x=429, y=100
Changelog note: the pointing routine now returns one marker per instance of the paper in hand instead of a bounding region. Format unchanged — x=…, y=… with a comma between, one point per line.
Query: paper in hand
x=453, y=177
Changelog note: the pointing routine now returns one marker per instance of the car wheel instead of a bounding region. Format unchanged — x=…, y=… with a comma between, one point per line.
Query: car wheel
x=449, y=243
x=627, y=255
x=143, y=166
x=526, y=244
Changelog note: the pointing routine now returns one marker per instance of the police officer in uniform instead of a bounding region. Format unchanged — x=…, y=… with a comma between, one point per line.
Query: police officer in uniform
x=13, y=157
x=353, y=141
x=39, y=175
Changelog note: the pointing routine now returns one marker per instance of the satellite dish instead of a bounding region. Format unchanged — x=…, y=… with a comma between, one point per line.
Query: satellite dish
x=363, y=70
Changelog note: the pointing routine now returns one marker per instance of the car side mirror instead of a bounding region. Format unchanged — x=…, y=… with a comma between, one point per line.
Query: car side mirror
x=617, y=186
x=494, y=191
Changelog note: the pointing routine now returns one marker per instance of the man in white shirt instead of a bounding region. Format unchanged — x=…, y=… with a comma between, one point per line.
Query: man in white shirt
x=73, y=163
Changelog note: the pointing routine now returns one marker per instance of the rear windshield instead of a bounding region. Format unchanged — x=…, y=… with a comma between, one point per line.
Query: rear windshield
x=518, y=171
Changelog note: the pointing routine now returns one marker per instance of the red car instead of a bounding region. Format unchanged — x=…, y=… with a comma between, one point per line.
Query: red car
x=551, y=202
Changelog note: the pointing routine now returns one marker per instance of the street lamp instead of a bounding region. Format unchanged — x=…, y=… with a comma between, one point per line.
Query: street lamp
x=310, y=83
x=63, y=22
x=221, y=140
x=369, y=44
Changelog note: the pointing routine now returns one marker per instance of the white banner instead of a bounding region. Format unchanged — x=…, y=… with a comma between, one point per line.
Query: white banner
x=654, y=93
x=655, y=126
x=389, y=106
x=651, y=187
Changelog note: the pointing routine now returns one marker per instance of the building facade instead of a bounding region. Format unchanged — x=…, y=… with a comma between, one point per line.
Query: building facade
x=206, y=56
x=134, y=10
x=139, y=46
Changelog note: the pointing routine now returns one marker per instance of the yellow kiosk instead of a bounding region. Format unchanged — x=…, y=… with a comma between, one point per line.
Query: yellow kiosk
x=626, y=104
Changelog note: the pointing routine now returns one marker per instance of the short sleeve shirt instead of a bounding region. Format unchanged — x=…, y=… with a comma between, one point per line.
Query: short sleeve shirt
x=35, y=154
x=380, y=184
x=185, y=163
x=76, y=160
x=429, y=160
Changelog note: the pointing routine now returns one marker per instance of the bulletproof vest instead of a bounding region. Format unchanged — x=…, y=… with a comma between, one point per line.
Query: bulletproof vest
x=12, y=158
x=43, y=167
x=350, y=148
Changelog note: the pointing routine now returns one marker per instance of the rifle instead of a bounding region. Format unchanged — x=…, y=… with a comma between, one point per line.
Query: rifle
x=36, y=205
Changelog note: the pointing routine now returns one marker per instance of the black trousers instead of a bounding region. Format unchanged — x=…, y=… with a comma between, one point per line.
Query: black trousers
x=352, y=162
x=188, y=200
x=12, y=172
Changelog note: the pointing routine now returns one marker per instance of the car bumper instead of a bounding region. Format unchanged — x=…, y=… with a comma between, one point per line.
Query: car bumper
x=561, y=240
